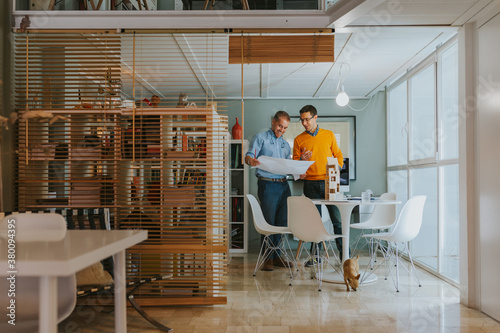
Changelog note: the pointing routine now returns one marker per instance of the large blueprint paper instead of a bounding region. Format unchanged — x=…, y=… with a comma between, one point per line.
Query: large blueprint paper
x=281, y=166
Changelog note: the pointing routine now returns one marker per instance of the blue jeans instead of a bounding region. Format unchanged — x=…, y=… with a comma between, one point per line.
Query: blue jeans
x=315, y=189
x=273, y=201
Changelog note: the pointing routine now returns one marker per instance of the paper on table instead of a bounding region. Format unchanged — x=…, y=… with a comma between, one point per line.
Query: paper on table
x=281, y=166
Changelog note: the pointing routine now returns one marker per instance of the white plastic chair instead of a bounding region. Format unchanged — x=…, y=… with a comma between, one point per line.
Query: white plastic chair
x=305, y=223
x=382, y=218
x=268, y=248
x=405, y=229
x=36, y=227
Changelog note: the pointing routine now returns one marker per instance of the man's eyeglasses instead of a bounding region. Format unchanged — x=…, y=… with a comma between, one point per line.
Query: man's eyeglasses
x=305, y=120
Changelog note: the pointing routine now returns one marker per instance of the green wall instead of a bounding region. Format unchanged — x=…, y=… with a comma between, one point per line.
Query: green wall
x=370, y=138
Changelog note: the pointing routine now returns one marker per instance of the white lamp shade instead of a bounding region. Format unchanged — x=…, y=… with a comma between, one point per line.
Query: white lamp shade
x=342, y=98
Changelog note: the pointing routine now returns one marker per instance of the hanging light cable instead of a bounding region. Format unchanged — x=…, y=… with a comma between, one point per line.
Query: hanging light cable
x=342, y=98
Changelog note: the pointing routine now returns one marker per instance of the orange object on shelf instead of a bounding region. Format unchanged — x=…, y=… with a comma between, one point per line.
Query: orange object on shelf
x=237, y=131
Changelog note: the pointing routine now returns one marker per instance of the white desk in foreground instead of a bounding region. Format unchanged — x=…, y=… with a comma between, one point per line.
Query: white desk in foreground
x=79, y=249
x=345, y=207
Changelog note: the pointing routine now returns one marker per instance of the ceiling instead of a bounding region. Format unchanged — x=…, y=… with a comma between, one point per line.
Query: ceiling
x=379, y=40
x=376, y=40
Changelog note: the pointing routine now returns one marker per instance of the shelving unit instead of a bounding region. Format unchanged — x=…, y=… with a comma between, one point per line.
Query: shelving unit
x=160, y=169
x=238, y=187
x=70, y=163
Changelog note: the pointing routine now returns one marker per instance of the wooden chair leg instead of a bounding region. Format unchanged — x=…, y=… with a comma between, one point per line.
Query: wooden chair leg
x=98, y=7
x=326, y=250
x=298, y=251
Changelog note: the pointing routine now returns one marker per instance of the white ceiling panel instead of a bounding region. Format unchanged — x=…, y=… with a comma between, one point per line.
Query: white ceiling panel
x=376, y=55
x=415, y=12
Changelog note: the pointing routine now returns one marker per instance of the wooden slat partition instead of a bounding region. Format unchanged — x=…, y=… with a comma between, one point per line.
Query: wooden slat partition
x=73, y=162
x=258, y=49
x=172, y=186
x=67, y=70
x=155, y=167
x=178, y=68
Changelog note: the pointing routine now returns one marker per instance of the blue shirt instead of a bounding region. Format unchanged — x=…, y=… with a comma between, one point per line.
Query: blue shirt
x=315, y=132
x=267, y=144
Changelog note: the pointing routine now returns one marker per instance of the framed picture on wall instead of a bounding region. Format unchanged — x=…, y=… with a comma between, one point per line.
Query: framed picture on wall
x=344, y=128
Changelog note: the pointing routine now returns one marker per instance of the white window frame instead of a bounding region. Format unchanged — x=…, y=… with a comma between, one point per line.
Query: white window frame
x=433, y=59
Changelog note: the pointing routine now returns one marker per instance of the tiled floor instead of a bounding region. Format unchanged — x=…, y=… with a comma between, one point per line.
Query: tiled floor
x=266, y=304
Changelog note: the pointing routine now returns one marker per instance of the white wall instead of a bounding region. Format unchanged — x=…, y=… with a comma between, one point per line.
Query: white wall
x=488, y=138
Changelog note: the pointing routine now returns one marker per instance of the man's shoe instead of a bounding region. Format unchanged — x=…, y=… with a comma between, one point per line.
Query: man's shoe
x=282, y=263
x=268, y=265
x=310, y=262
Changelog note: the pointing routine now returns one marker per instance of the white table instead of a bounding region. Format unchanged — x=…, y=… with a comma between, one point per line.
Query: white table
x=345, y=207
x=79, y=249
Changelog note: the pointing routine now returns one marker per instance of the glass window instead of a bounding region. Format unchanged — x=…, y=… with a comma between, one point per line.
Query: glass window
x=424, y=248
x=448, y=110
x=397, y=138
x=422, y=115
x=398, y=183
x=449, y=243
x=431, y=94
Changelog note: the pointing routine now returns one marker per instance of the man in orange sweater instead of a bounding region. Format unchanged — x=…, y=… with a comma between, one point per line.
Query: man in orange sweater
x=316, y=144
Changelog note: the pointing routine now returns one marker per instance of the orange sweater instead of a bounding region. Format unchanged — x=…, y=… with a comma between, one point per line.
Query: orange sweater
x=323, y=145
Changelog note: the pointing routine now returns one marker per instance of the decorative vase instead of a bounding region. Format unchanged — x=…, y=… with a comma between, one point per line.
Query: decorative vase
x=237, y=131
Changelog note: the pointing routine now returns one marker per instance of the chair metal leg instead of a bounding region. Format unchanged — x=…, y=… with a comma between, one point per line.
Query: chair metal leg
x=318, y=266
x=299, y=252
x=260, y=260
x=397, y=269
x=413, y=266
x=268, y=247
x=282, y=252
x=412, y=270
x=140, y=310
x=372, y=267
x=338, y=261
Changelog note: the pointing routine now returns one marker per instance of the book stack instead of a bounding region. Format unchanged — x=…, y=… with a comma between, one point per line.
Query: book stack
x=236, y=161
x=237, y=210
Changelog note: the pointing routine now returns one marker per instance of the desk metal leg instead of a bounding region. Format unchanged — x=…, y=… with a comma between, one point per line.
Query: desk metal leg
x=345, y=216
x=120, y=295
x=48, y=304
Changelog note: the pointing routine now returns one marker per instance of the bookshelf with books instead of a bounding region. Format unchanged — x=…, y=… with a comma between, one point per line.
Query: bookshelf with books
x=238, y=210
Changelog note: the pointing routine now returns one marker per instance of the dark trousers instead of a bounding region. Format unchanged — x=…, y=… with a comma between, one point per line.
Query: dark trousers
x=273, y=202
x=315, y=189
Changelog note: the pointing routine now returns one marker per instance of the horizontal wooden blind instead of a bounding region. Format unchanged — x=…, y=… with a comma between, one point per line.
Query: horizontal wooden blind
x=55, y=71
x=281, y=49
x=172, y=184
x=96, y=140
x=180, y=69
x=72, y=162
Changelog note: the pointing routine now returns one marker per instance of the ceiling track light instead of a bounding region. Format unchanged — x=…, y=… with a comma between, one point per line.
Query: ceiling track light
x=342, y=98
